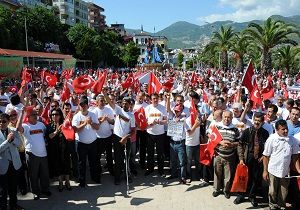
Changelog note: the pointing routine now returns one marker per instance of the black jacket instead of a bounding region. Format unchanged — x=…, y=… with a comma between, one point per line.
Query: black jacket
x=246, y=143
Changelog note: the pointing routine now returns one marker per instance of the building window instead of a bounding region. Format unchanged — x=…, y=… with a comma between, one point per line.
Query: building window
x=137, y=41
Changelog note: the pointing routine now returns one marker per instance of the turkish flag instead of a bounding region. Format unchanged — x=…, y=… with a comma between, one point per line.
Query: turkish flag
x=248, y=79
x=26, y=76
x=194, y=78
x=193, y=112
x=154, y=86
x=50, y=79
x=114, y=76
x=28, y=110
x=45, y=114
x=82, y=83
x=129, y=82
x=207, y=150
x=268, y=90
x=256, y=96
x=67, y=128
x=97, y=87
x=140, y=118
x=168, y=84
x=65, y=95
x=137, y=85
x=67, y=73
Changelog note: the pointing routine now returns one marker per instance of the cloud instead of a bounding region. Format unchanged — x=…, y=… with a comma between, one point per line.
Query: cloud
x=247, y=10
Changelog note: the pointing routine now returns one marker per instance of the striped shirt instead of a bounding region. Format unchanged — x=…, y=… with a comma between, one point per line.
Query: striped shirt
x=229, y=133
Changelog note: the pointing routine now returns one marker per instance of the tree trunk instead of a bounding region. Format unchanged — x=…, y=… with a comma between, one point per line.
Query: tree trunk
x=224, y=60
x=239, y=64
x=266, y=62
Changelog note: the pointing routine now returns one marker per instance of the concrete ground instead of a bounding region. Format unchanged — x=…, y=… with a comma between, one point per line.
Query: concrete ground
x=151, y=192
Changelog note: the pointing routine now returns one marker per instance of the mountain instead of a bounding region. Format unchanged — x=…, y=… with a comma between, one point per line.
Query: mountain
x=187, y=35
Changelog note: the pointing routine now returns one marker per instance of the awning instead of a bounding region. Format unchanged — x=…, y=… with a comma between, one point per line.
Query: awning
x=33, y=54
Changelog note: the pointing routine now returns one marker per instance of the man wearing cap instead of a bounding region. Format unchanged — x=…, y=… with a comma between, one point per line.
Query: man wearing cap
x=177, y=143
x=85, y=124
x=156, y=116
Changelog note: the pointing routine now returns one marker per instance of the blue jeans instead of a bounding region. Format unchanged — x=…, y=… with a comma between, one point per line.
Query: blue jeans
x=192, y=153
x=177, y=154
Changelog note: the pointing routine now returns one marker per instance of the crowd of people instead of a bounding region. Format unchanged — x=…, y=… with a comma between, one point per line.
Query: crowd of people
x=46, y=136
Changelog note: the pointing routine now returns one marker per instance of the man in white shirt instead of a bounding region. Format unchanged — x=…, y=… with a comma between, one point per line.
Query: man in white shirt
x=85, y=124
x=156, y=116
x=123, y=128
x=36, y=153
x=279, y=151
x=104, y=133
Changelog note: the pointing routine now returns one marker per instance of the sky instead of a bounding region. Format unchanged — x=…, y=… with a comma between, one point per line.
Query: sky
x=162, y=13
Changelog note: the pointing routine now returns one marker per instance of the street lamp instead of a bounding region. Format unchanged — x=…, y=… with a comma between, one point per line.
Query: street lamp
x=25, y=26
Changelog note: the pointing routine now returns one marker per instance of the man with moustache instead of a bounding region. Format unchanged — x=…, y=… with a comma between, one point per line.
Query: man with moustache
x=250, y=150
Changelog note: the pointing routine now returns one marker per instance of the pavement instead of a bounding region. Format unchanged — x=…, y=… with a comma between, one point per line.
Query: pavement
x=151, y=192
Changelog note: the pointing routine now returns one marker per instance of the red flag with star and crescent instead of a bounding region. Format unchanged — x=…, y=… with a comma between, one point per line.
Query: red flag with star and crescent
x=66, y=93
x=140, y=118
x=129, y=82
x=154, y=86
x=67, y=128
x=193, y=112
x=256, y=96
x=248, y=79
x=51, y=79
x=82, y=83
x=207, y=150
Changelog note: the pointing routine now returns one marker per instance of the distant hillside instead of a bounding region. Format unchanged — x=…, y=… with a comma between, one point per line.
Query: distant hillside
x=187, y=35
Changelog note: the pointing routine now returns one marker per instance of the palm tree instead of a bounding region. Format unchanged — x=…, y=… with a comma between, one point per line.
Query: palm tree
x=272, y=33
x=239, y=47
x=221, y=40
x=287, y=57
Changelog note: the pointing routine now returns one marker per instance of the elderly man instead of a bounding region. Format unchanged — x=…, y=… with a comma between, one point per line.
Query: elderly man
x=225, y=159
x=10, y=163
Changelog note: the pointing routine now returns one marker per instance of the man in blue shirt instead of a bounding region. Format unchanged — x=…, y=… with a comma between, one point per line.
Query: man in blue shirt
x=294, y=123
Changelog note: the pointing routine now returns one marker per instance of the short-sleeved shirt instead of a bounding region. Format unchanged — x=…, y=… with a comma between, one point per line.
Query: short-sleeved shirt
x=280, y=150
x=155, y=112
x=34, y=139
x=123, y=128
x=194, y=138
x=104, y=130
x=87, y=135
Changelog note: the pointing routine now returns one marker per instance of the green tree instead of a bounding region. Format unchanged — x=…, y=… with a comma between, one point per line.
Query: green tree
x=272, y=33
x=287, y=57
x=180, y=57
x=131, y=53
x=239, y=47
x=221, y=40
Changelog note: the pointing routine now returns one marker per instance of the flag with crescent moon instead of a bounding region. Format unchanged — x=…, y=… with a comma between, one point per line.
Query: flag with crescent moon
x=45, y=114
x=154, y=86
x=82, y=83
x=65, y=95
x=140, y=118
x=98, y=85
x=249, y=78
x=207, y=150
x=256, y=97
x=50, y=79
x=129, y=82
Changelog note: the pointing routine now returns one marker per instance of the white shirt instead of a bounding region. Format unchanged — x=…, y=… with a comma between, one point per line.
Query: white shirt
x=280, y=150
x=158, y=112
x=104, y=130
x=87, y=135
x=194, y=138
x=18, y=108
x=34, y=139
x=123, y=128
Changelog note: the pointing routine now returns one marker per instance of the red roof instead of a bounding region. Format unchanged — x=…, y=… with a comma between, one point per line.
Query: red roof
x=22, y=53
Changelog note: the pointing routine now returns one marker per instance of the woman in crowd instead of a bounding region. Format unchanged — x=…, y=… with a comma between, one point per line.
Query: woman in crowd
x=60, y=153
